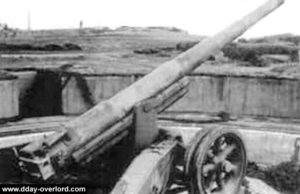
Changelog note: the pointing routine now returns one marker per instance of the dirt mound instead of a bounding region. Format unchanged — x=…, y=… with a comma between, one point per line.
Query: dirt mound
x=251, y=52
x=289, y=38
x=160, y=52
x=171, y=29
x=47, y=47
x=167, y=51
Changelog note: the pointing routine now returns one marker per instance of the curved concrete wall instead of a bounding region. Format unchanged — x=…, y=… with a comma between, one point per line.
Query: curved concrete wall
x=77, y=100
x=253, y=96
x=237, y=95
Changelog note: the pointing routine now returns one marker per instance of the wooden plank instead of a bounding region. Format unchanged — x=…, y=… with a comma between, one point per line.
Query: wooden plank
x=47, y=119
x=25, y=131
x=149, y=172
x=13, y=141
x=33, y=125
x=189, y=117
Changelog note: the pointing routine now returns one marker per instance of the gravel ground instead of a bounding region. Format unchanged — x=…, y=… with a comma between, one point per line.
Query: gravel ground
x=256, y=186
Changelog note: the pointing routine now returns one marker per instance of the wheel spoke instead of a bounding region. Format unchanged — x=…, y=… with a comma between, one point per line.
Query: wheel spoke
x=220, y=144
x=224, y=154
x=210, y=182
x=220, y=183
x=210, y=153
x=208, y=191
x=207, y=168
x=229, y=167
x=213, y=186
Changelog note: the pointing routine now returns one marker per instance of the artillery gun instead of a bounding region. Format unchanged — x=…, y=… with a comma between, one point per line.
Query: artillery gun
x=215, y=160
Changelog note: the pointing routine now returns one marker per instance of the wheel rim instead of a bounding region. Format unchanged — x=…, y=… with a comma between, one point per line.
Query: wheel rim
x=191, y=149
x=219, y=163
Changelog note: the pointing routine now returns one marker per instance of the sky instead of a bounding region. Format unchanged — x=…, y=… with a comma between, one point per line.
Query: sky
x=201, y=17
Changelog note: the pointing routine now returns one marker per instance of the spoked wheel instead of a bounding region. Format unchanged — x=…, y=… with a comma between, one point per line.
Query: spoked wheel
x=218, y=162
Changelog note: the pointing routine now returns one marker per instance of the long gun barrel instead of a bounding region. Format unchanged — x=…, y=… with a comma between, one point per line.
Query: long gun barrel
x=59, y=148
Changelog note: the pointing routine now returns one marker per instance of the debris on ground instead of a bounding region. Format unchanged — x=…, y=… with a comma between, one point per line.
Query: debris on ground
x=283, y=177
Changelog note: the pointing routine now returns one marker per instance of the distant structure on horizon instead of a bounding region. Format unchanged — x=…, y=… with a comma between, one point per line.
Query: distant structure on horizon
x=28, y=21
